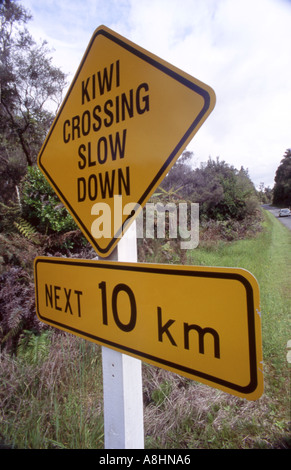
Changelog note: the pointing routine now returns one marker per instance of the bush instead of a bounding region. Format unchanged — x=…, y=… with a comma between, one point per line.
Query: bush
x=42, y=207
x=17, y=307
x=222, y=191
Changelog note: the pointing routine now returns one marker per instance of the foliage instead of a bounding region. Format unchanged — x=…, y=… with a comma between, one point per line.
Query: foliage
x=265, y=194
x=33, y=348
x=282, y=188
x=17, y=307
x=26, y=229
x=56, y=401
x=167, y=249
x=41, y=206
x=228, y=207
x=41, y=219
x=8, y=215
x=213, y=232
x=17, y=251
x=29, y=85
x=221, y=191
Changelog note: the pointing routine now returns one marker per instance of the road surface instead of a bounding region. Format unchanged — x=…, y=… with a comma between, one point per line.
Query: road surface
x=275, y=211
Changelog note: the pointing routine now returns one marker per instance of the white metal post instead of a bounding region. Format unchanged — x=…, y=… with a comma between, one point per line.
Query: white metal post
x=122, y=378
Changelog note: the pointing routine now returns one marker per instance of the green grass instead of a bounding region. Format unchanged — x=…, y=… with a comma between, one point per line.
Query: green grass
x=56, y=403
x=51, y=392
x=268, y=258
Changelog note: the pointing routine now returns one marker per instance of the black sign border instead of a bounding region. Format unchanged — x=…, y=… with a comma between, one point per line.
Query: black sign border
x=163, y=269
x=142, y=55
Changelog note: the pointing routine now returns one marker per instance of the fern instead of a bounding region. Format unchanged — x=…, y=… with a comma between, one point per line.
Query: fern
x=32, y=347
x=8, y=214
x=27, y=230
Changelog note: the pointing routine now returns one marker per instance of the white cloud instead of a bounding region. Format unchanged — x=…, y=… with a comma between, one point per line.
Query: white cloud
x=241, y=48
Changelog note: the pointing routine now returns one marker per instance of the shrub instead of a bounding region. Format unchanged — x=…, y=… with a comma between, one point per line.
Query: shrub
x=17, y=307
x=41, y=206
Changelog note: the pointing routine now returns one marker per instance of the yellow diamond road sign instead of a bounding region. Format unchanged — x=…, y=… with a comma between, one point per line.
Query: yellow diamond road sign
x=125, y=120
x=202, y=323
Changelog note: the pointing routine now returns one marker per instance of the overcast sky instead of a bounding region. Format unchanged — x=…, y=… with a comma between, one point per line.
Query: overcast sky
x=241, y=48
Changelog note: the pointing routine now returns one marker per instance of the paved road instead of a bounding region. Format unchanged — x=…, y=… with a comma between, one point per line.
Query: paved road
x=275, y=211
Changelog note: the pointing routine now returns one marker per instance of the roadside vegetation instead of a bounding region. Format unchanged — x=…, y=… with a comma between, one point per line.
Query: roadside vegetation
x=51, y=382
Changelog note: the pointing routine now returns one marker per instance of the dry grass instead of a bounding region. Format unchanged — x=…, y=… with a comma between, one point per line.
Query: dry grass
x=55, y=402
x=192, y=415
x=58, y=403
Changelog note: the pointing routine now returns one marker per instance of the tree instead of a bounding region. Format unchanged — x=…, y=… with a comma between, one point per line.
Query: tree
x=265, y=194
x=221, y=191
x=180, y=173
x=29, y=85
x=282, y=187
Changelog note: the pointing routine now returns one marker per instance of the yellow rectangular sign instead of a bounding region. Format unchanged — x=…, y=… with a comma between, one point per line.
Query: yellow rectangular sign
x=202, y=323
